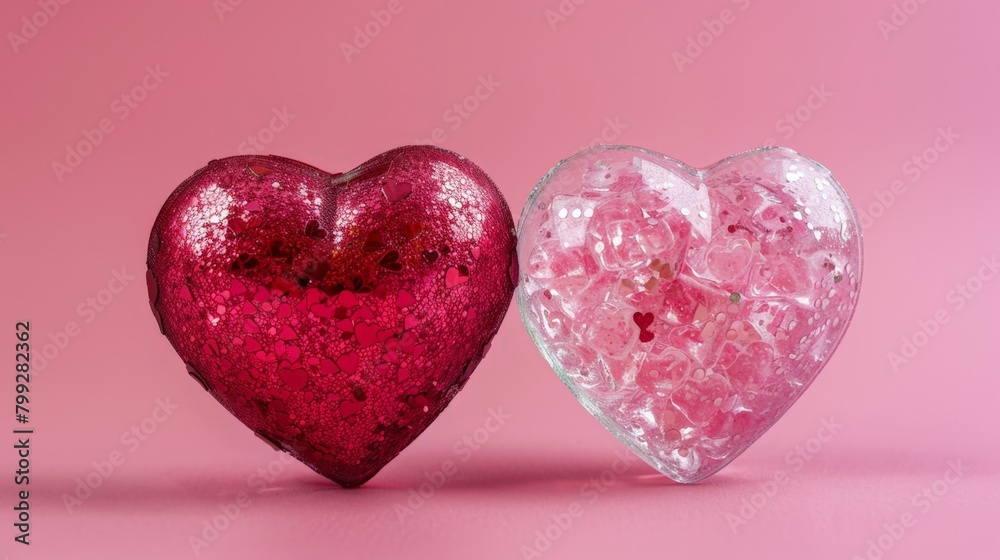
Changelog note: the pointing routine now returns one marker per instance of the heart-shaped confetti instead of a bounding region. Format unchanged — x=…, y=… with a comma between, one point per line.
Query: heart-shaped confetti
x=687, y=309
x=335, y=315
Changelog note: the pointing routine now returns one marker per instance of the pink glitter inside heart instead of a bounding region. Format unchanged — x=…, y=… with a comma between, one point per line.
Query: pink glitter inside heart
x=688, y=309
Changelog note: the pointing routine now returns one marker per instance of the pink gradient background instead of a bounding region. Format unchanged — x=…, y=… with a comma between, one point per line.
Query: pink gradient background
x=608, y=60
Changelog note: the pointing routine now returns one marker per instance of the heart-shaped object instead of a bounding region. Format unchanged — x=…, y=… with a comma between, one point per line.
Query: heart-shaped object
x=687, y=309
x=336, y=315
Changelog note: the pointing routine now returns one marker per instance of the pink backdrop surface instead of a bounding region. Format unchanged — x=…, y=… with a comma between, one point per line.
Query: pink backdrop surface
x=108, y=106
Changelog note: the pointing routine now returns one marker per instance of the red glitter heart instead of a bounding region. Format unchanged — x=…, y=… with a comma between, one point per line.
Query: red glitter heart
x=335, y=315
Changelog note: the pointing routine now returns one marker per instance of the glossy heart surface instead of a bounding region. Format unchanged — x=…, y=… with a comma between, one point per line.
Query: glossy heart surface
x=687, y=309
x=335, y=315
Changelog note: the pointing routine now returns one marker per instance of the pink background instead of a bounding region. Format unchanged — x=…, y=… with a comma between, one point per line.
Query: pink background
x=560, y=82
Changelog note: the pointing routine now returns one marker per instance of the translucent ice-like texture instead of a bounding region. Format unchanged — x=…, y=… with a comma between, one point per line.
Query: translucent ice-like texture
x=336, y=315
x=687, y=309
